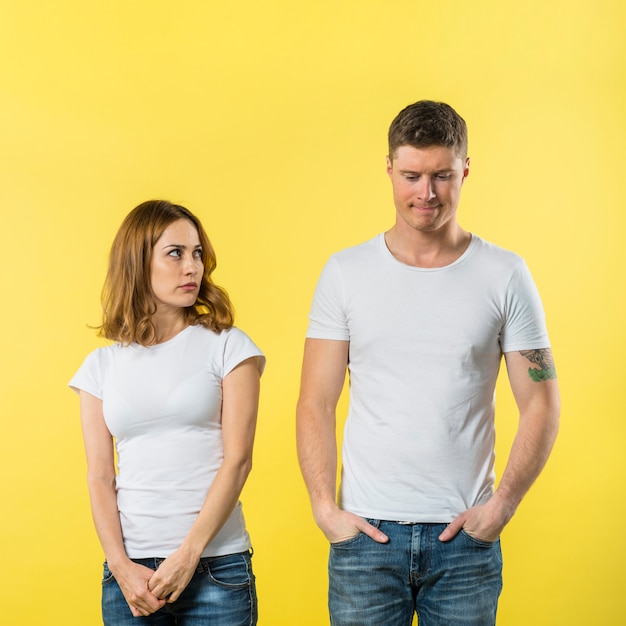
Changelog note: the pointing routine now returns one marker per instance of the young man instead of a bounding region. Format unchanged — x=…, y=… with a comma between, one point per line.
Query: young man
x=421, y=316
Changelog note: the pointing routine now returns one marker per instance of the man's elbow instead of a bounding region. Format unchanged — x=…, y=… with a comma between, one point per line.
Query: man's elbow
x=551, y=414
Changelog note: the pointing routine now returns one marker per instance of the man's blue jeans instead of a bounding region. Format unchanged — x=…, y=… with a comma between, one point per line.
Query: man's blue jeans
x=456, y=583
x=221, y=593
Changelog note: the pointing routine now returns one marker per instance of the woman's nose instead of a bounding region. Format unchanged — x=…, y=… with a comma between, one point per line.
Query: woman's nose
x=191, y=265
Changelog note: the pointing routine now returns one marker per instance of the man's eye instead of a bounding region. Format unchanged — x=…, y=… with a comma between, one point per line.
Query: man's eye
x=443, y=176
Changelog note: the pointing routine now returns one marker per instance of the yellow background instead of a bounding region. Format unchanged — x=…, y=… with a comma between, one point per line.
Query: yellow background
x=268, y=119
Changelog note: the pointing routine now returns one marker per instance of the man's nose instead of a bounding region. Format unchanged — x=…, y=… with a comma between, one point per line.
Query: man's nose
x=425, y=189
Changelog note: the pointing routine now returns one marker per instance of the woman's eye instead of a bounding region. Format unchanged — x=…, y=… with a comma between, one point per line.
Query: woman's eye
x=198, y=254
x=174, y=253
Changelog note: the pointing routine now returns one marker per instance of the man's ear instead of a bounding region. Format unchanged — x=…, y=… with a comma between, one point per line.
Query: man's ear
x=466, y=168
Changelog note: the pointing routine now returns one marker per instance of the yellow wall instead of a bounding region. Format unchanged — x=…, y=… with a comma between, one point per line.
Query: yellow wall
x=268, y=119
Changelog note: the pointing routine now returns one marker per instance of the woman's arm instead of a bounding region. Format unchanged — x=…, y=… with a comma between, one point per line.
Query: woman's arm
x=240, y=400
x=131, y=577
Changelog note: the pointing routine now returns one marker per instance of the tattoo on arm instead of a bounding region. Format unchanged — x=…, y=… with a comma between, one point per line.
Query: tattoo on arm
x=542, y=359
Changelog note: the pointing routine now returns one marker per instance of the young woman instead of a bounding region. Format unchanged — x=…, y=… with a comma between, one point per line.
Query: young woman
x=178, y=394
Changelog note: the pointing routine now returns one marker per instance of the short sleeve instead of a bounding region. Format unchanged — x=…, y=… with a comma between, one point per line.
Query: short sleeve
x=525, y=325
x=327, y=318
x=89, y=376
x=237, y=348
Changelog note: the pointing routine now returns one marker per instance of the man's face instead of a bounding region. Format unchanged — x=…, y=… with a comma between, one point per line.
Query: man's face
x=426, y=186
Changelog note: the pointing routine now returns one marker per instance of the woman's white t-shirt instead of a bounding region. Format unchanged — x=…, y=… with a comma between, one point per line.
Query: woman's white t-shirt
x=162, y=404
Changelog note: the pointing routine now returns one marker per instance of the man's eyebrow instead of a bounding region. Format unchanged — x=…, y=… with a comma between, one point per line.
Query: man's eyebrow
x=443, y=170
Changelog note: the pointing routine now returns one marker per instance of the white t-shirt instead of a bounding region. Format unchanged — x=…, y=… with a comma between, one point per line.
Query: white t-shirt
x=163, y=406
x=425, y=350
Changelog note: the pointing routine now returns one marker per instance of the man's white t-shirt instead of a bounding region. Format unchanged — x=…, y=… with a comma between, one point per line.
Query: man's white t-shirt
x=425, y=350
x=163, y=406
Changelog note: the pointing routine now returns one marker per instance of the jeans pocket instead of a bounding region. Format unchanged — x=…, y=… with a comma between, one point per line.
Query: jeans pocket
x=479, y=542
x=107, y=577
x=346, y=542
x=232, y=571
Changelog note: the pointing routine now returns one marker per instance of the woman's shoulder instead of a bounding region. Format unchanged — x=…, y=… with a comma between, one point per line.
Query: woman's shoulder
x=202, y=333
x=103, y=353
x=225, y=348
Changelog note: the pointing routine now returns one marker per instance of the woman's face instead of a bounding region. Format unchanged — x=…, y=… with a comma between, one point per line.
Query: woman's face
x=176, y=267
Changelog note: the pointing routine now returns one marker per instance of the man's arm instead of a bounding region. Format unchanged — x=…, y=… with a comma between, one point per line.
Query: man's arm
x=323, y=373
x=533, y=382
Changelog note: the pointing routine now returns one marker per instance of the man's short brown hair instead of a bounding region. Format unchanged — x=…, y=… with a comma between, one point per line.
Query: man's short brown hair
x=427, y=123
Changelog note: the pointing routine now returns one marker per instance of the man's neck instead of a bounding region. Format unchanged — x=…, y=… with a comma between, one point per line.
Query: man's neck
x=427, y=249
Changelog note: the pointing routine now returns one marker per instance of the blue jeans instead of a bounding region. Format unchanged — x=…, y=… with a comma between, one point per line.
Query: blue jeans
x=456, y=583
x=221, y=593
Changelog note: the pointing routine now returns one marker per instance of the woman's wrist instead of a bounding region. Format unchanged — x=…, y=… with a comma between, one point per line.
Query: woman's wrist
x=117, y=561
x=192, y=549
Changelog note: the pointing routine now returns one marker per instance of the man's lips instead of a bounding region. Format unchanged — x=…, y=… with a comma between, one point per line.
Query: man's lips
x=424, y=208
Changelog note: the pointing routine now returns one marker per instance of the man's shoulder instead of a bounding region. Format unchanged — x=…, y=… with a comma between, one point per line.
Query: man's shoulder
x=494, y=253
x=359, y=251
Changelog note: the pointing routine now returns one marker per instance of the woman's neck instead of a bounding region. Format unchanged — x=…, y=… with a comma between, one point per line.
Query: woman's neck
x=168, y=325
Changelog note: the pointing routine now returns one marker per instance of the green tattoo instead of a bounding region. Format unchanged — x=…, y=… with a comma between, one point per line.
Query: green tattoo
x=542, y=358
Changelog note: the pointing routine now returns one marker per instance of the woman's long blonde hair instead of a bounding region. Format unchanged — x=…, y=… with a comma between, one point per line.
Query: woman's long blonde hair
x=127, y=300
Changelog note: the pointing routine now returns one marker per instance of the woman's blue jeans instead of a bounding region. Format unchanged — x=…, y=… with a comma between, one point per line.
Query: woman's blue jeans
x=222, y=592
x=456, y=583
